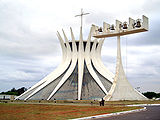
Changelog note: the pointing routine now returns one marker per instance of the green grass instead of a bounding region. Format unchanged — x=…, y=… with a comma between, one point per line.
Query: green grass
x=54, y=112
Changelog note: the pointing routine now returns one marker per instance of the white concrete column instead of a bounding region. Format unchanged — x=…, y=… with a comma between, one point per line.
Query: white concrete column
x=121, y=88
x=80, y=64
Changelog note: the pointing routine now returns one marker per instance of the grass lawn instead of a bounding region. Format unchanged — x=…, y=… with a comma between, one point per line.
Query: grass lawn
x=53, y=112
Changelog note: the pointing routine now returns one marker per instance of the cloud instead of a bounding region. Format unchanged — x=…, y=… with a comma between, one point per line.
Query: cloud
x=26, y=55
x=29, y=48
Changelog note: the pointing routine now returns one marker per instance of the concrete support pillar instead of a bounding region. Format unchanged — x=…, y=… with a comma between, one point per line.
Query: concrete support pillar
x=121, y=88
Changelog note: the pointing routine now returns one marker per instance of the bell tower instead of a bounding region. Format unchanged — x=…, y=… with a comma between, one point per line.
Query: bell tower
x=121, y=88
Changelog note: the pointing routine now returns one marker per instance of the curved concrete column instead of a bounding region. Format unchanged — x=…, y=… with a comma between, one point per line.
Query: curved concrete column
x=70, y=69
x=96, y=60
x=98, y=50
x=80, y=64
x=89, y=65
x=57, y=72
x=60, y=70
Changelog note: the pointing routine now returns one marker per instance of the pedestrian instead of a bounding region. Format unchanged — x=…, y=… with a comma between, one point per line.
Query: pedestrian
x=102, y=102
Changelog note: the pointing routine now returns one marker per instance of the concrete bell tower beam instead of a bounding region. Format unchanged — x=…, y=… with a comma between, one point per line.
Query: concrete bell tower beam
x=121, y=88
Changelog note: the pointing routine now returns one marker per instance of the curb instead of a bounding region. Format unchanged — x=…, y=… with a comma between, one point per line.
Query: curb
x=111, y=114
x=144, y=105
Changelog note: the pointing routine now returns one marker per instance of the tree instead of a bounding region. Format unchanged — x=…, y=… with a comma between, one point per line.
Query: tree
x=151, y=95
x=13, y=91
x=21, y=90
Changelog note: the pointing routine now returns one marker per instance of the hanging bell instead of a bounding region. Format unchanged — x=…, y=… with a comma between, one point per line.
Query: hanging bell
x=112, y=27
x=120, y=26
x=125, y=25
x=134, y=25
x=100, y=29
x=138, y=23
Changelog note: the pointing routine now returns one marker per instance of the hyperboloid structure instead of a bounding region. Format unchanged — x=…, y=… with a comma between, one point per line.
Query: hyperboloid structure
x=82, y=74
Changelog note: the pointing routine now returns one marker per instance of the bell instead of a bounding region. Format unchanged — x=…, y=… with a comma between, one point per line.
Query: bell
x=125, y=25
x=120, y=26
x=133, y=25
x=112, y=27
x=138, y=23
x=100, y=29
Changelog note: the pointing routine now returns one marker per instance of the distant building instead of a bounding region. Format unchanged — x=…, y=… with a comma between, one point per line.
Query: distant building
x=7, y=97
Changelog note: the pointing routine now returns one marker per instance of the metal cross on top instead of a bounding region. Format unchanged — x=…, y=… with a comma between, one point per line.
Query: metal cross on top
x=81, y=15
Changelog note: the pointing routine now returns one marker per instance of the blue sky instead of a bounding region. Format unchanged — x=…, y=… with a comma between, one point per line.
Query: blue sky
x=30, y=49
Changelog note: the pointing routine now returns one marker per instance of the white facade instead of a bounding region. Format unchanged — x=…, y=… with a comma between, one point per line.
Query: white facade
x=82, y=74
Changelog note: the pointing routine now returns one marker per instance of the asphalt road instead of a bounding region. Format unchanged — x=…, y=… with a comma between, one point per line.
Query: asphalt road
x=152, y=113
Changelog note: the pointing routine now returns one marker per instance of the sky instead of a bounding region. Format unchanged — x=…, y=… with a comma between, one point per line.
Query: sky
x=30, y=49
